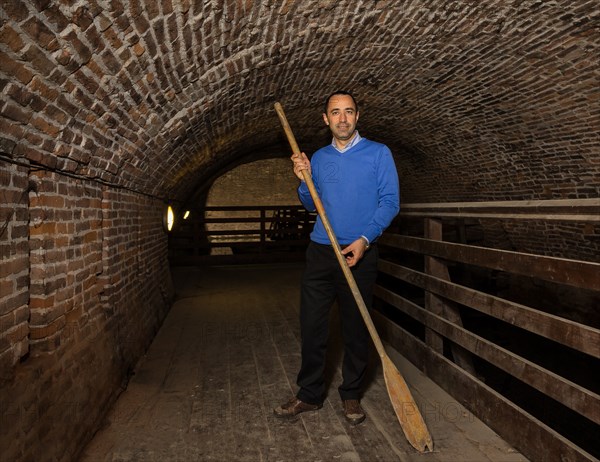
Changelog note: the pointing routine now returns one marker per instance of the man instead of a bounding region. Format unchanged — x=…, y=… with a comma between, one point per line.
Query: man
x=357, y=182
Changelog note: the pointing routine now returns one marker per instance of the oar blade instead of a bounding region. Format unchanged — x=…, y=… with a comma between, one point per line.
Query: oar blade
x=406, y=409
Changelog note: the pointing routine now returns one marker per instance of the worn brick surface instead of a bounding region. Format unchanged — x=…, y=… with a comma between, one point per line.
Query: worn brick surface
x=14, y=269
x=84, y=287
x=265, y=182
x=492, y=100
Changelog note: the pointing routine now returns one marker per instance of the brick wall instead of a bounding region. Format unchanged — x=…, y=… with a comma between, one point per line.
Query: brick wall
x=85, y=286
x=65, y=238
x=14, y=268
x=578, y=241
x=263, y=182
x=137, y=289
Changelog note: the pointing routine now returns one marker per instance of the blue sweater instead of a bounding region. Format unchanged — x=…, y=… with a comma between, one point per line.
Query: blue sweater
x=359, y=190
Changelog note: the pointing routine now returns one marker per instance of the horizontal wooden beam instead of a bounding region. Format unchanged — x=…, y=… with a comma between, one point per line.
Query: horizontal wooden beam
x=574, y=396
x=268, y=220
x=244, y=258
x=576, y=273
x=233, y=208
x=235, y=233
x=576, y=210
x=570, y=333
x=504, y=216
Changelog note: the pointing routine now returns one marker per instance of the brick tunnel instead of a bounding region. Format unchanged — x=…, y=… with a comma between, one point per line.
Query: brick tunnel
x=112, y=110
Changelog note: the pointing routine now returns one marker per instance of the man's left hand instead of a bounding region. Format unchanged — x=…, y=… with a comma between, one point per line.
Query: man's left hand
x=355, y=251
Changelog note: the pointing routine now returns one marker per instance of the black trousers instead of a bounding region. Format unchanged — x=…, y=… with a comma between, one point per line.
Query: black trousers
x=322, y=282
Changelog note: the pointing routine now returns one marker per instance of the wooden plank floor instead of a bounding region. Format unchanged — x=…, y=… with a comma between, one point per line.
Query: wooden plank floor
x=228, y=353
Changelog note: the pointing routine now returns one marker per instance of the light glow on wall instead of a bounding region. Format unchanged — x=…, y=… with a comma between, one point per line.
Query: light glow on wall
x=170, y=221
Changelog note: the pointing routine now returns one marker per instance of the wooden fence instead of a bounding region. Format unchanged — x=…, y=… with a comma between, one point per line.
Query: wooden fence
x=241, y=234
x=430, y=328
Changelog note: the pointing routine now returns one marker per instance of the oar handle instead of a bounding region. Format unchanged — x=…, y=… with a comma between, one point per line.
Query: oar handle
x=336, y=246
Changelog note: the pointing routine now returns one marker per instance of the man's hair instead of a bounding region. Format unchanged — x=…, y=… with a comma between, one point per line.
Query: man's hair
x=340, y=92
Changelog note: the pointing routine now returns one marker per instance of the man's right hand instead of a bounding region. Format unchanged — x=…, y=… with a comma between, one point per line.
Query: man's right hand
x=301, y=162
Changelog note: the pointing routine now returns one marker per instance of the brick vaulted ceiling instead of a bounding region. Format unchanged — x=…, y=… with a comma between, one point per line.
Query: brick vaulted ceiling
x=490, y=99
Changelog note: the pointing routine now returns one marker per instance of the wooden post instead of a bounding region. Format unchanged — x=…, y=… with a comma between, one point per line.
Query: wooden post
x=433, y=266
x=263, y=232
x=437, y=305
x=195, y=236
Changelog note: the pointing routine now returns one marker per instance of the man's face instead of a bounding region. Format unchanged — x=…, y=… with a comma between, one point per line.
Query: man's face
x=341, y=117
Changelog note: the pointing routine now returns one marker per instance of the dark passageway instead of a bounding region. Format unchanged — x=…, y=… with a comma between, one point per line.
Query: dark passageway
x=112, y=110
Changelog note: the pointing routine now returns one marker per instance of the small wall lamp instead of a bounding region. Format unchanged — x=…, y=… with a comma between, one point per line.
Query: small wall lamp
x=168, y=219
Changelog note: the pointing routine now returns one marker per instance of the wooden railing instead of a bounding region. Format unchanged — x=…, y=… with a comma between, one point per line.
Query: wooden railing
x=241, y=234
x=437, y=323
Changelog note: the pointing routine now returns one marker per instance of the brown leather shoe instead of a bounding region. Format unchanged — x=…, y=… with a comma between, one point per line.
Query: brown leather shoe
x=353, y=412
x=294, y=407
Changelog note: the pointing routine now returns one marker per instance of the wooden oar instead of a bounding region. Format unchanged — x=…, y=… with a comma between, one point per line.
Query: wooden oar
x=404, y=405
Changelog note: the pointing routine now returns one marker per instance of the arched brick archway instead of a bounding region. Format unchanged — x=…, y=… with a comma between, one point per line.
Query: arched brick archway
x=145, y=95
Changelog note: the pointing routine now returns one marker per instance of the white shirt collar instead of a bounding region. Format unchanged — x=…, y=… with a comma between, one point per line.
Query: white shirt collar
x=353, y=142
